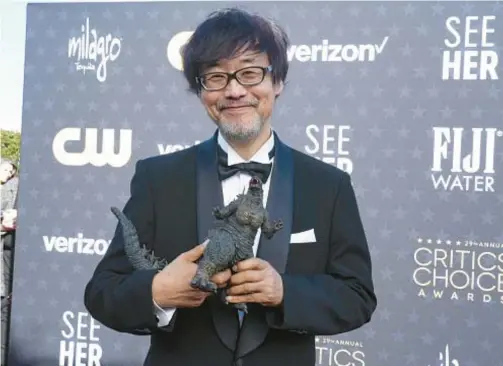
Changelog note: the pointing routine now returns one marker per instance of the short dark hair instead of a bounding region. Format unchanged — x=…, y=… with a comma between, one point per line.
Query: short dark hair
x=226, y=32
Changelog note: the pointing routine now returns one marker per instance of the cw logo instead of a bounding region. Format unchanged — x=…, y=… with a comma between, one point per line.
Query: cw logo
x=90, y=154
x=175, y=46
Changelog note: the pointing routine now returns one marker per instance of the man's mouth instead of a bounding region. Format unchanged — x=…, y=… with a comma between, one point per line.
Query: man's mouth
x=237, y=106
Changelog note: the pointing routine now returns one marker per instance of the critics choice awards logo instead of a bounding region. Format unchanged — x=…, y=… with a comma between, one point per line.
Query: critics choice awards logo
x=470, y=51
x=464, y=159
x=335, y=352
x=330, y=144
x=459, y=270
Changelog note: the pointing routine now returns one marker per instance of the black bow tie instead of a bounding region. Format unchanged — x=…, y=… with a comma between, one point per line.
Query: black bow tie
x=253, y=168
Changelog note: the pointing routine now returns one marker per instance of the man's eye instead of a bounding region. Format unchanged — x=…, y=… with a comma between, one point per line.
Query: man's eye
x=214, y=77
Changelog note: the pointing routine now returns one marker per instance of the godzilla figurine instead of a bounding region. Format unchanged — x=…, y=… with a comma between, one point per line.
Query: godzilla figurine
x=229, y=242
x=233, y=237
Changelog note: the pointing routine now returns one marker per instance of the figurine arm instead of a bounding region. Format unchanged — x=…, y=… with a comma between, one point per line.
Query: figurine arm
x=269, y=227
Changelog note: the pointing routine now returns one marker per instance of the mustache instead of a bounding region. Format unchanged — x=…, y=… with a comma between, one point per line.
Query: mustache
x=224, y=105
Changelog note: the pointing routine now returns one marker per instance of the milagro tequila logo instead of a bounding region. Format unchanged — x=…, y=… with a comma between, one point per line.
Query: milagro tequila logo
x=445, y=359
x=93, y=51
x=464, y=159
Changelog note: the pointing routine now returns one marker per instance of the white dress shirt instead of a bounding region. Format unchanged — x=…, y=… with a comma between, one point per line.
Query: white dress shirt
x=231, y=187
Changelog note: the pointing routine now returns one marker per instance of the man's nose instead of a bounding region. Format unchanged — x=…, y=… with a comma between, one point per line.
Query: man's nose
x=235, y=90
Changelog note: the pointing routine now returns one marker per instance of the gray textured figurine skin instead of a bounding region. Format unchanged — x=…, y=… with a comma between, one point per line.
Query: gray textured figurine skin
x=139, y=256
x=229, y=242
x=233, y=237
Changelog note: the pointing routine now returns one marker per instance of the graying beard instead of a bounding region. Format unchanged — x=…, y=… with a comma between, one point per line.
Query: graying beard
x=235, y=132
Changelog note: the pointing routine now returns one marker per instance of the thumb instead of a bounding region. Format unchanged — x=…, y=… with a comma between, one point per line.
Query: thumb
x=196, y=252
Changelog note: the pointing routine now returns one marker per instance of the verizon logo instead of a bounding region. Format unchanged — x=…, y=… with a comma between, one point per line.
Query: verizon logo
x=79, y=245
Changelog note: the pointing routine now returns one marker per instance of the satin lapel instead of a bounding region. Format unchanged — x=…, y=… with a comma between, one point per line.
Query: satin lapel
x=209, y=195
x=274, y=250
x=279, y=206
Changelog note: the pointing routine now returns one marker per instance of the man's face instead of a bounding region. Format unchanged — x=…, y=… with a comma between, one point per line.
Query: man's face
x=6, y=172
x=240, y=111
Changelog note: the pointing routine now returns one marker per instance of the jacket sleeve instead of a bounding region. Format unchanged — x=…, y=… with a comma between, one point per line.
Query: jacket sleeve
x=341, y=299
x=116, y=295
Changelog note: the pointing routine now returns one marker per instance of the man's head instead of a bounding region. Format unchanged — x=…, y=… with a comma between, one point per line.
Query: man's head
x=7, y=170
x=254, y=51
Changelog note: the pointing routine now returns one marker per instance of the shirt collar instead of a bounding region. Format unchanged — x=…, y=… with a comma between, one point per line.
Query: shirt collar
x=261, y=156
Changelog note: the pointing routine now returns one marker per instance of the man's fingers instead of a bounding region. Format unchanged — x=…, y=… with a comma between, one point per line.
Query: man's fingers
x=250, y=264
x=196, y=252
x=198, y=295
x=246, y=276
x=222, y=277
x=254, y=297
x=244, y=289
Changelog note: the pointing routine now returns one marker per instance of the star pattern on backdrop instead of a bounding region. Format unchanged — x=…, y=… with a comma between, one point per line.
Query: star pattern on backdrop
x=391, y=105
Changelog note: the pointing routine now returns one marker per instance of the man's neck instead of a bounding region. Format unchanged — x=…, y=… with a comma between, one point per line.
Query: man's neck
x=246, y=149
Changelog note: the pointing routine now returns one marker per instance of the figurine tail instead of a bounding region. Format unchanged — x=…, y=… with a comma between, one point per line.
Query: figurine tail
x=139, y=257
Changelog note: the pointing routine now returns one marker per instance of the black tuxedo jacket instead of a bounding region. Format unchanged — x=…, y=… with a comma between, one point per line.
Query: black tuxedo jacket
x=328, y=287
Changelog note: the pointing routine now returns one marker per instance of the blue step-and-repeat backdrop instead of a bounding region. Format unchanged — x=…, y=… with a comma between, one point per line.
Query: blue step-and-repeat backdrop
x=405, y=96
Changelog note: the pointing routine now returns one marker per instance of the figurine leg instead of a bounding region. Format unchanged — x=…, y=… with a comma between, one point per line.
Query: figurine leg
x=238, y=306
x=202, y=280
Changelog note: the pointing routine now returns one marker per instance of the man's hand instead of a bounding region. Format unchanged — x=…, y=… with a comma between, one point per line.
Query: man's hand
x=171, y=287
x=255, y=281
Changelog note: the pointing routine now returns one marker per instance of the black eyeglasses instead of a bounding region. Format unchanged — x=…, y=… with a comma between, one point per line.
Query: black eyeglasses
x=247, y=76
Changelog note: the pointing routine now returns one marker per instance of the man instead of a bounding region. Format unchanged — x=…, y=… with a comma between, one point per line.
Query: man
x=314, y=282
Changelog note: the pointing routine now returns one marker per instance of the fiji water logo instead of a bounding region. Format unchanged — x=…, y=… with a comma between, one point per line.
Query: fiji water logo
x=445, y=358
x=464, y=159
x=92, y=52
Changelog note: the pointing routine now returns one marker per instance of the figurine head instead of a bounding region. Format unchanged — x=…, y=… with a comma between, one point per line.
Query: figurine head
x=255, y=184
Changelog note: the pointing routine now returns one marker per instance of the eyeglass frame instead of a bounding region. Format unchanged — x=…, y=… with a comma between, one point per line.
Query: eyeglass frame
x=232, y=75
